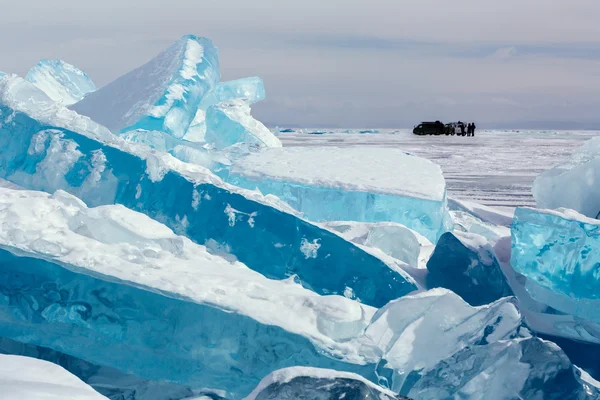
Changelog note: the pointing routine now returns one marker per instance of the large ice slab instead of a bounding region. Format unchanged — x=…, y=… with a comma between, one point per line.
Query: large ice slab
x=61, y=81
x=466, y=264
x=574, y=184
x=161, y=95
x=319, y=384
x=363, y=184
x=559, y=252
x=47, y=147
x=230, y=122
x=31, y=379
x=115, y=288
x=524, y=368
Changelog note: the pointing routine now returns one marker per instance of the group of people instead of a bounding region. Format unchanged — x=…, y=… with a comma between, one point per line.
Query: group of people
x=470, y=128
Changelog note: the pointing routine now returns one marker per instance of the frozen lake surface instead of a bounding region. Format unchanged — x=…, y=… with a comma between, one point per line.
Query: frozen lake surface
x=495, y=168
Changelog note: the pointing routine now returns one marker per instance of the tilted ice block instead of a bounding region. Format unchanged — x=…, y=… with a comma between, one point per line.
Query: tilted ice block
x=161, y=95
x=559, y=253
x=116, y=288
x=573, y=185
x=230, y=122
x=61, y=81
x=418, y=331
x=31, y=379
x=351, y=184
x=540, y=317
x=318, y=384
x=54, y=148
x=465, y=263
x=392, y=238
x=524, y=368
x=250, y=90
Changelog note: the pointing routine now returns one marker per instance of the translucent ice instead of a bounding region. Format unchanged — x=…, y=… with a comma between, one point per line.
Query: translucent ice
x=115, y=288
x=318, y=384
x=466, y=264
x=250, y=90
x=230, y=122
x=559, y=253
x=524, y=368
x=28, y=378
x=61, y=81
x=47, y=147
x=573, y=185
x=162, y=95
x=351, y=184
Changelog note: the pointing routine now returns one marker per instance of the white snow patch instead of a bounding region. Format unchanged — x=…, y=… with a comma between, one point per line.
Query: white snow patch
x=310, y=249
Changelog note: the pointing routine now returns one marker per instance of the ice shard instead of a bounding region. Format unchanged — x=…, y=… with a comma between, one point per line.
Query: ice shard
x=47, y=147
x=61, y=81
x=466, y=264
x=116, y=288
x=524, y=368
x=28, y=378
x=319, y=384
x=393, y=239
x=250, y=90
x=351, y=184
x=559, y=253
x=161, y=95
x=415, y=333
x=230, y=122
x=573, y=185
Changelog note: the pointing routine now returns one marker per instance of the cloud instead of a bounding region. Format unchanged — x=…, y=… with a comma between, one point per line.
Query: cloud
x=343, y=62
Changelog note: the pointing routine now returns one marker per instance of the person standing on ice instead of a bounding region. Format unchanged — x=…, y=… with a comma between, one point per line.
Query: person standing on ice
x=469, y=129
x=473, y=127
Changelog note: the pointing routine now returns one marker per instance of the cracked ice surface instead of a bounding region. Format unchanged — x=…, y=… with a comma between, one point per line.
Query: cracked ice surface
x=47, y=147
x=351, y=184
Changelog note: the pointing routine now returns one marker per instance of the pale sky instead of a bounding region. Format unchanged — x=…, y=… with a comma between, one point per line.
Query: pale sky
x=376, y=63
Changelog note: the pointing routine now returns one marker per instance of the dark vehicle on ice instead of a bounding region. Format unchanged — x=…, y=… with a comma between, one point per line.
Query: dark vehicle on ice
x=455, y=128
x=430, y=128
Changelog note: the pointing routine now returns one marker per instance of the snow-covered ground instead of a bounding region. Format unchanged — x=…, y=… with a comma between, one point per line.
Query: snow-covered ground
x=494, y=168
